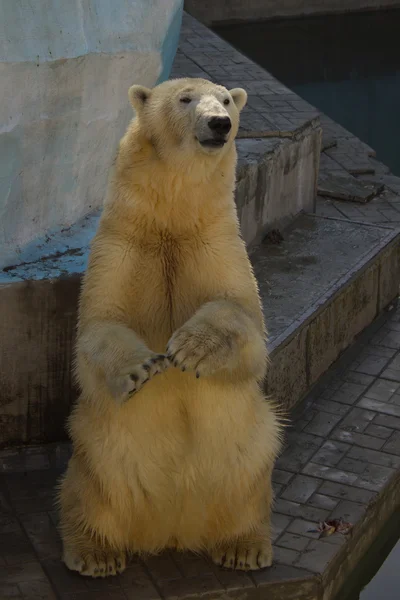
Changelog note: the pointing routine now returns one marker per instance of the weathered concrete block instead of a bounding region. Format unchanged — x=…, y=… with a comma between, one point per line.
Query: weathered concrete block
x=276, y=180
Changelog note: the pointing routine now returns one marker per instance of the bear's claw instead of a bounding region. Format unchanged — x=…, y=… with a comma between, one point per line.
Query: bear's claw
x=125, y=386
x=202, y=349
x=244, y=557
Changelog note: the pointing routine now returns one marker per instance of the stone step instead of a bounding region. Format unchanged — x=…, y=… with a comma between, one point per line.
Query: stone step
x=321, y=285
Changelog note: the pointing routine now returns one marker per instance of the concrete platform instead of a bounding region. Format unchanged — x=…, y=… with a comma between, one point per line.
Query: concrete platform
x=342, y=460
x=321, y=286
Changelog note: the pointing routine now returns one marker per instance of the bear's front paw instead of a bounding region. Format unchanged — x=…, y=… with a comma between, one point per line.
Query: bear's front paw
x=201, y=348
x=132, y=380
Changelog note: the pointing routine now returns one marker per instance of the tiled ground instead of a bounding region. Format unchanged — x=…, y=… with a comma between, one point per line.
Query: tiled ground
x=343, y=450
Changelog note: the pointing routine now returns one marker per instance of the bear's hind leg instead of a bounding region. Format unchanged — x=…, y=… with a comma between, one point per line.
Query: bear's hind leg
x=93, y=542
x=252, y=550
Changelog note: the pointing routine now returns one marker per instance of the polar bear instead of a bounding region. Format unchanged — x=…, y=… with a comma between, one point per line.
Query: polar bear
x=182, y=460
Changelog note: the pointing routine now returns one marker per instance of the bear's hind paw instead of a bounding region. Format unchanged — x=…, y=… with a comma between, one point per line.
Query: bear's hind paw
x=244, y=556
x=96, y=563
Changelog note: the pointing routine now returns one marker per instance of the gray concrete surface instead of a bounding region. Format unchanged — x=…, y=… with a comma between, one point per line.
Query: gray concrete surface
x=321, y=286
x=212, y=12
x=341, y=460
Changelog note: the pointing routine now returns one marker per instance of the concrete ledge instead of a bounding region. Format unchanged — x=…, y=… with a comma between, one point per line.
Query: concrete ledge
x=365, y=532
x=276, y=180
x=321, y=286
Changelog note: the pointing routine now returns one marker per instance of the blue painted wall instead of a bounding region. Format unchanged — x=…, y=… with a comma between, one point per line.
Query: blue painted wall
x=72, y=65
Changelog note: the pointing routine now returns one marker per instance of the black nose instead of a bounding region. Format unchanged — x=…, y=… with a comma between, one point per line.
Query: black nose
x=221, y=125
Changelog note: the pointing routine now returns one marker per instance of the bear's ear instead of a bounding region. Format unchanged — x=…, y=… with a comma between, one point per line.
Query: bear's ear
x=138, y=96
x=239, y=96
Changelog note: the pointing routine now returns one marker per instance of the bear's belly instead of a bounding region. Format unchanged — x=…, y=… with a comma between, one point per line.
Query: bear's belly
x=184, y=455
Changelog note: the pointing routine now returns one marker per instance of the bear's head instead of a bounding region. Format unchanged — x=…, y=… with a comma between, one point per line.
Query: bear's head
x=188, y=116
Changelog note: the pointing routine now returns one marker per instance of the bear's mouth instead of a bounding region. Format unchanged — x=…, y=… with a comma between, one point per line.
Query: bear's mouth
x=212, y=143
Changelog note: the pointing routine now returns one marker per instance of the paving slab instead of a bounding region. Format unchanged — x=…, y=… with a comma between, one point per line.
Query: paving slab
x=347, y=188
x=319, y=478
x=345, y=156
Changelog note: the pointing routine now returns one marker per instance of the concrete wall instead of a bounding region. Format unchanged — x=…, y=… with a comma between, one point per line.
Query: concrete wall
x=220, y=11
x=65, y=70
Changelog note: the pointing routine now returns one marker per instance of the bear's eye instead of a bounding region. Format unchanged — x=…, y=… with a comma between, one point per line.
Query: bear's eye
x=186, y=100
x=226, y=101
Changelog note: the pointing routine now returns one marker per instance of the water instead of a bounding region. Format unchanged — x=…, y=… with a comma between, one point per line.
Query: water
x=348, y=66
x=377, y=577
x=386, y=582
